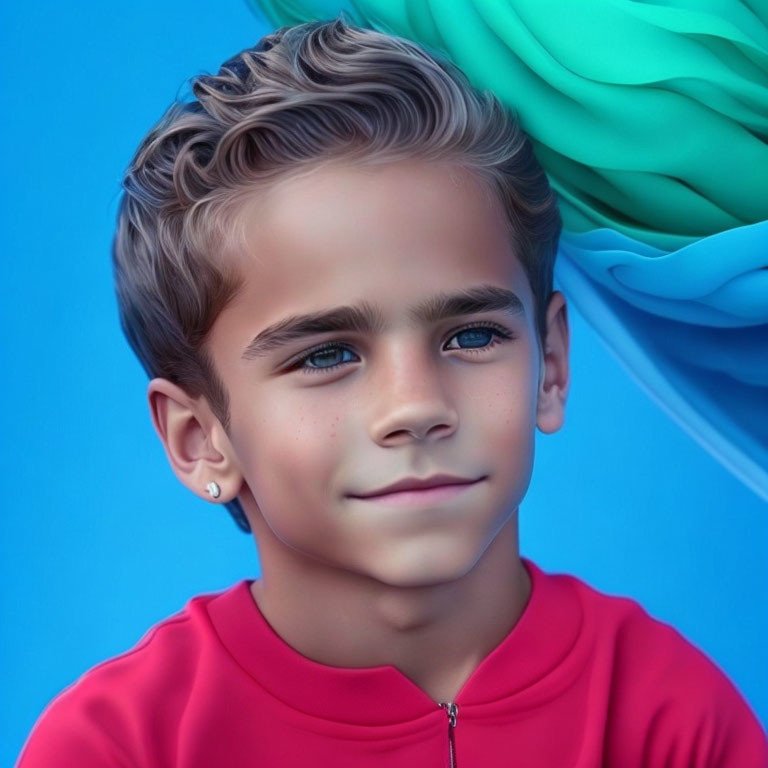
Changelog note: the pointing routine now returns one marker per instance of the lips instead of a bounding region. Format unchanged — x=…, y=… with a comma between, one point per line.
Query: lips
x=416, y=483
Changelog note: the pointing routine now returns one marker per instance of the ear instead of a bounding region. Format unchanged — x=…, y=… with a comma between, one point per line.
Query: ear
x=195, y=442
x=555, y=377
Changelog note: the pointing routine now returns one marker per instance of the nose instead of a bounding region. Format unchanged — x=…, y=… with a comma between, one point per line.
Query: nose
x=411, y=402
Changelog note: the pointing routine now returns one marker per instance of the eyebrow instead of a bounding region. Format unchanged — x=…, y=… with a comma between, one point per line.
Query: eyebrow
x=367, y=318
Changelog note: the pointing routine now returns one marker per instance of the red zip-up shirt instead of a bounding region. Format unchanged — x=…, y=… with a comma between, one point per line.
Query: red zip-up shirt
x=583, y=680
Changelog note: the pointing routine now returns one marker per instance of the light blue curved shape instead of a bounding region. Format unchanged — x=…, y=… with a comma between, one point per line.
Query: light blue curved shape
x=690, y=326
x=720, y=280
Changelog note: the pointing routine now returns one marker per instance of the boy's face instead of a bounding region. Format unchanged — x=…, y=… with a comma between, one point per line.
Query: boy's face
x=409, y=398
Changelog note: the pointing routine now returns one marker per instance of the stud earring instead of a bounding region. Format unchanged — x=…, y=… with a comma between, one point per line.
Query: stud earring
x=213, y=489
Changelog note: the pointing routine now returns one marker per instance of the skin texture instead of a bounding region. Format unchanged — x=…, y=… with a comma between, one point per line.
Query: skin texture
x=431, y=590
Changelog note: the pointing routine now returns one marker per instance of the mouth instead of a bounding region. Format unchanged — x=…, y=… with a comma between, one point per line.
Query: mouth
x=415, y=497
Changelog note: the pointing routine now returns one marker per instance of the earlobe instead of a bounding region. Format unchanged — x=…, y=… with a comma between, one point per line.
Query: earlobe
x=200, y=457
x=555, y=379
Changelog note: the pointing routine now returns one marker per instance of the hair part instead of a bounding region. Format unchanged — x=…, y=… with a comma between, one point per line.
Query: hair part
x=304, y=95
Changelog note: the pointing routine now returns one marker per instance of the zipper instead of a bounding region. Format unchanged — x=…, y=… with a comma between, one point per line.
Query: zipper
x=452, y=711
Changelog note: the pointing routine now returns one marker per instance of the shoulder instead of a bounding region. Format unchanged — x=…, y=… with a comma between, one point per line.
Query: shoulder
x=102, y=717
x=647, y=648
x=666, y=688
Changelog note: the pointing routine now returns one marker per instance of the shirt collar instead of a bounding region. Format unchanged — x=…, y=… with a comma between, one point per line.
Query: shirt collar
x=540, y=640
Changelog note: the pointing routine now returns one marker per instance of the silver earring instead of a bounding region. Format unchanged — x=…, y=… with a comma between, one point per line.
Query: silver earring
x=213, y=489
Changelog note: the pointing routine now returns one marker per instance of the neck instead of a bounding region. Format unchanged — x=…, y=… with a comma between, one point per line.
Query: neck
x=435, y=634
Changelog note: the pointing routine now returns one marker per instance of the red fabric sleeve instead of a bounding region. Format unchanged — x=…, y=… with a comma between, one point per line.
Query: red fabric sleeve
x=712, y=727
x=681, y=710
x=71, y=733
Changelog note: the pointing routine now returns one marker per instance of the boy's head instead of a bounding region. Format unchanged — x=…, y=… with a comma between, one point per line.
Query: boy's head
x=335, y=166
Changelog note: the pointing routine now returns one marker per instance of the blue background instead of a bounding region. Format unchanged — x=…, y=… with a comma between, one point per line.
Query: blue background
x=98, y=540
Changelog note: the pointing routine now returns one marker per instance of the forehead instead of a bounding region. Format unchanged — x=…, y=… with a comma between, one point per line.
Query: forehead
x=391, y=235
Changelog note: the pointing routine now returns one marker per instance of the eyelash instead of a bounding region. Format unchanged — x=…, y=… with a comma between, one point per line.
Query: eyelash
x=498, y=331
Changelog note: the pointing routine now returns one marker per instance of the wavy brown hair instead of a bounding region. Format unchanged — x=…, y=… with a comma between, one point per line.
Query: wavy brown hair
x=303, y=95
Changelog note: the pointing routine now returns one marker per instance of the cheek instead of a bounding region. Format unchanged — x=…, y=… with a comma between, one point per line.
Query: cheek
x=508, y=432
x=284, y=441
x=503, y=420
x=505, y=404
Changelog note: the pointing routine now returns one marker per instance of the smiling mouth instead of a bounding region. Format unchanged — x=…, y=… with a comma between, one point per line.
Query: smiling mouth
x=414, y=497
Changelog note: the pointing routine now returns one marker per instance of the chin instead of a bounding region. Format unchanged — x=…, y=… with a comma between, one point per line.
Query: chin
x=422, y=570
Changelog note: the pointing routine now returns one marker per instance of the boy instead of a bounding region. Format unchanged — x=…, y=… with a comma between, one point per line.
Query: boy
x=336, y=266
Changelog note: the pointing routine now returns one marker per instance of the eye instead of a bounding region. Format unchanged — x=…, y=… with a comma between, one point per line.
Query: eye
x=476, y=330
x=333, y=351
x=328, y=353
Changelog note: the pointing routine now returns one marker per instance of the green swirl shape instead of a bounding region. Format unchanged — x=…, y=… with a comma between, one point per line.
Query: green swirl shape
x=650, y=118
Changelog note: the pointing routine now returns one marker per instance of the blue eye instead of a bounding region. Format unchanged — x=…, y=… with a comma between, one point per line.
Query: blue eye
x=331, y=351
x=327, y=353
x=481, y=332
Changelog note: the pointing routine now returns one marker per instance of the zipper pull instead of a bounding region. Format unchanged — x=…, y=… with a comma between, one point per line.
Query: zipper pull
x=452, y=710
